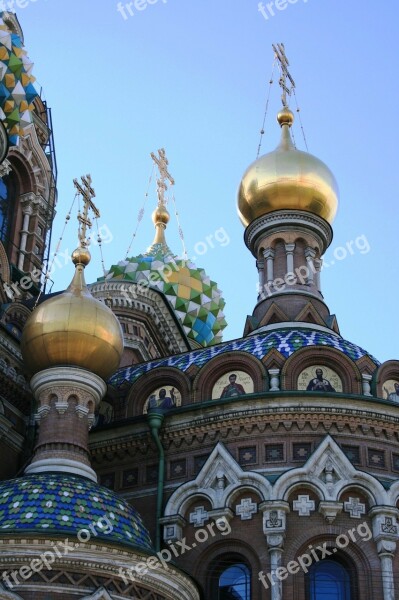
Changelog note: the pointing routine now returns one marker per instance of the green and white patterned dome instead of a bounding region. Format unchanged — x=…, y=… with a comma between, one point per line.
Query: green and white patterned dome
x=195, y=299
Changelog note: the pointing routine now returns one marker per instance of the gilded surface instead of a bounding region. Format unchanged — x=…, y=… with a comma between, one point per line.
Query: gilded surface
x=73, y=328
x=287, y=179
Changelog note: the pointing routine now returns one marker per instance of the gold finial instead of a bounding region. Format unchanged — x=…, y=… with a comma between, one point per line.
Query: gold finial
x=82, y=255
x=285, y=117
x=279, y=52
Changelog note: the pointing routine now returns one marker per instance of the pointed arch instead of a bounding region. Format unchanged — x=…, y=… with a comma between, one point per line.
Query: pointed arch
x=344, y=474
x=219, y=461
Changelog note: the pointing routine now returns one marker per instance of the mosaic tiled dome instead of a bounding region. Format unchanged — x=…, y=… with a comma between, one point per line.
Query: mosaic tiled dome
x=58, y=504
x=195, y=298
x=285, y=340
x=17, y=91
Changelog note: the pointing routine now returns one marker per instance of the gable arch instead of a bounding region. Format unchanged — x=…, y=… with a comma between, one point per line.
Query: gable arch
x=362, y=488
x=388, y=370
x=220, y=462
x=158, y=377
x=343, y=473
x=331, y=357
x=393, y=493
x=228, y=362
x=304, y=484
x=247, y=488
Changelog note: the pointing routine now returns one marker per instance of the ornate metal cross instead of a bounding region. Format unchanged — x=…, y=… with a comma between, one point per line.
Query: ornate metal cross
x=87, y=192
x=164, y=175
x=279, y=52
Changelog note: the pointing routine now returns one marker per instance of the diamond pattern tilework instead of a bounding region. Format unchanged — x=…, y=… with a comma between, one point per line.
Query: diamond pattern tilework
x=286, y=341
x=57, y=504
x=196, y=300
x=17, y=91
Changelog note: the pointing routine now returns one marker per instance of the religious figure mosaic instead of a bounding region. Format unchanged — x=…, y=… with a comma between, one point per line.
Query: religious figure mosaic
x=231, y=384
x=319, y=378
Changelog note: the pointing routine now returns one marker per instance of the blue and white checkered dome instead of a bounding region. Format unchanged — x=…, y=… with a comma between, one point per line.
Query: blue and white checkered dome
x=59, y=504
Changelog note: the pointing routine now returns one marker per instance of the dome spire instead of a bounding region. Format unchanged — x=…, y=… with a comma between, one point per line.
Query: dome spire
x=73, y=328
x=161, y=216
x=81, y=256
x=287, y=200
x=279, y=52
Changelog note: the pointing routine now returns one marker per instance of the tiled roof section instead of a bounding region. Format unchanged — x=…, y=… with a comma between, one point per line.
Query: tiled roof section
x=286, y=341
x=195, y=299
x=60, y=504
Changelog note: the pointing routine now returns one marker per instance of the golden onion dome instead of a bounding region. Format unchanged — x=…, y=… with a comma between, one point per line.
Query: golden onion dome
x=73, y=329
x=287, y=179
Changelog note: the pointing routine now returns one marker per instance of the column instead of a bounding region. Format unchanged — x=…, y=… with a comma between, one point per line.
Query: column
x=269, y=255
x=289, y=250
x=366, y=379
x=318, y=264
x=67, y=398
x=310, y=255
x=274, y=380
x=261, y=270
x=27, y=211
x=386, y=558
x=275, y=543
x=274, y=528
x=385, y=534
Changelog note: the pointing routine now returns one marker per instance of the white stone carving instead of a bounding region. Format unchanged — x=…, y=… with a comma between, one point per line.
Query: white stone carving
x=207, y=484
x=355, y=508
x=330, y=510
x=246, y=509
x=274, y=380
x=366, y=379
x=304, y=505
x=199, y=516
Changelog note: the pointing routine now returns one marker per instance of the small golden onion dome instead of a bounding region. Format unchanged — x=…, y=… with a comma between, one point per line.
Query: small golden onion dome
x=160, y=215
x=81, y=256
x=287, y=179
x=73, y=329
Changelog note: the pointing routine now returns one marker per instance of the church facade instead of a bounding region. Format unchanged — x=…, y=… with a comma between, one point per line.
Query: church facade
x=166, y=463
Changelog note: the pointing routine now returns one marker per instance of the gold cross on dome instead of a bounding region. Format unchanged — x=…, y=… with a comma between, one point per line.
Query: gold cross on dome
x=87, y=192
x=279, y=52
x=164, y=175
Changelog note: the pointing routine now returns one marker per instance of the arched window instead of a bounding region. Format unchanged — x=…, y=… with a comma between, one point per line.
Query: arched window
x=4, y=211
x=235, y=583
x=328, y=580
x=7, y=205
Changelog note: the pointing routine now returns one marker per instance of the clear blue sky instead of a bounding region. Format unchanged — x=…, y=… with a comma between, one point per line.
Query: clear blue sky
x=192, y=76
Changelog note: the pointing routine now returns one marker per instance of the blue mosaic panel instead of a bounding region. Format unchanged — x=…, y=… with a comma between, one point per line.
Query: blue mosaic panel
x=286, y=341
x=58, y=504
